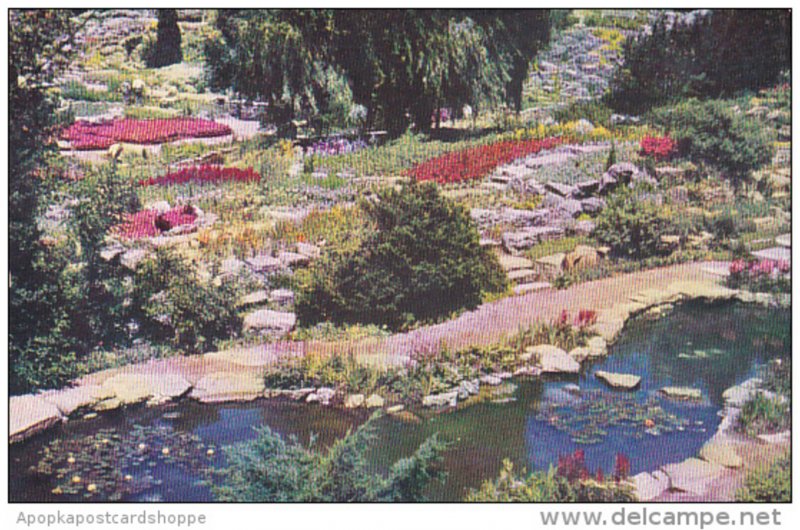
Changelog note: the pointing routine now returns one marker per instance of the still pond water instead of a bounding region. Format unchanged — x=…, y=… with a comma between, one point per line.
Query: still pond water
x=705, y=347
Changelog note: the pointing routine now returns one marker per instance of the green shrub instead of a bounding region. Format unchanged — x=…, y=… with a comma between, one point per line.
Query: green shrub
x=548, y=486
x=177, y=306
x=713, y=134
x=763, y=414
x=423, y=261
x=339, y=371
x=593, y=110
x=271, y=469
x=631, y=226
x=773, y=484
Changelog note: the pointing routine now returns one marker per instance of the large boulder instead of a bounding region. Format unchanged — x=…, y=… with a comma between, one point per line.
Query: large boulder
x=582, y=257
x=619, y=381
x=592, y=204
x=374, y=401
x=586, y=188
x=354, y=401
x=552, y=359
x=562, y=190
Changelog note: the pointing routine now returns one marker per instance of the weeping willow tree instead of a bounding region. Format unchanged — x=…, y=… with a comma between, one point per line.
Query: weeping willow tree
x=400, y=64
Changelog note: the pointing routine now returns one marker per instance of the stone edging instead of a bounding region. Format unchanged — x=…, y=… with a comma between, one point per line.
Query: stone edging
x=33, y=413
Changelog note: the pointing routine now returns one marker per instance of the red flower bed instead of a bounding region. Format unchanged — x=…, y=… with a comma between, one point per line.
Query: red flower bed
x=204, y=174
x=149, y=223
x=659, y=147
x=477, y=162
x=84, y=135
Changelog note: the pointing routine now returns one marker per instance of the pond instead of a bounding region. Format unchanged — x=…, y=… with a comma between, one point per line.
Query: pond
x=706, y=347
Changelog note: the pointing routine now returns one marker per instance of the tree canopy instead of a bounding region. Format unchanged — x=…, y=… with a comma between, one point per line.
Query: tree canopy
x=401, y=65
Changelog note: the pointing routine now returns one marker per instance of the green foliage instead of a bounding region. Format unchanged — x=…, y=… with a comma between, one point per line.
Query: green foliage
x=612, y=156
x=719, y=54
x=548, y=486
x=595, y=111
x=712, y=133
x=424, y=248
x=409, y=64
x=271, y=469
x=175, y=305
x=167, y=48
x=763, y=414
x=631, y=226
x=773, y=484
x=339, y=371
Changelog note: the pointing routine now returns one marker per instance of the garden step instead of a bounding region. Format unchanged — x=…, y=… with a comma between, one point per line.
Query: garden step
x=500, y=178
x=513, y=263
x=522, y=275
x=530, y=287
x=254, y=298
x=550, y=266
x=774, y=253
x=784, y=240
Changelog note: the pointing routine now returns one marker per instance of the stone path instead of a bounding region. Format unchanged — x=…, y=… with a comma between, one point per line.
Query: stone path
x=236, y=374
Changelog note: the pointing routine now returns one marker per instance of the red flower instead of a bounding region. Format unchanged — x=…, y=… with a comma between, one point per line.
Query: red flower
x=204, y=174
x=660, y=148
x=622, y=467
x=477, y=162
x=84, y=135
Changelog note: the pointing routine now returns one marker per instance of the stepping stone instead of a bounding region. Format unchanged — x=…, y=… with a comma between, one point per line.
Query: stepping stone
x=281, y=296
x=256, y=297
x=228, y=386
x=648, y=486
x=550, y=266
x=29, y=415
x=683, y=393
x=271, y=322
x=774, y=253
x=784, y=240
x=522, y=275
x=693, y=475
x=530, y=287
x=293, y=259
x=620, y=381
x=720, y=452
x=513, y=263
x=264, y=263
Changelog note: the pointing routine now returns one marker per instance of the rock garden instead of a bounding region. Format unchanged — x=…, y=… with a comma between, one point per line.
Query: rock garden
x=567, y=281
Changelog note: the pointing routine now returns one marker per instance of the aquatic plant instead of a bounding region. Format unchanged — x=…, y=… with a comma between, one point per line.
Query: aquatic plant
x=591, y=416
x=112, y=464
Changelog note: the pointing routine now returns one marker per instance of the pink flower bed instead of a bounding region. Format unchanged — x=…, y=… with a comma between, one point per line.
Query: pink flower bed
x=204, y=174
x=764, y=267
x=150, y=223
x=84, y=136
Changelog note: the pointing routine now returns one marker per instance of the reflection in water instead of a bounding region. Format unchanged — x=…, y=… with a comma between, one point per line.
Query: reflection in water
x=710, y=348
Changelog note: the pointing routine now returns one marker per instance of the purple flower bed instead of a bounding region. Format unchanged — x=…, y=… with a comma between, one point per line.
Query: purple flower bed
x=336, y=146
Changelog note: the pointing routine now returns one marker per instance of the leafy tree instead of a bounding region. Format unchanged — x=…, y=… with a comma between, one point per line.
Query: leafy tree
x=703, y=54
x=422, y=261
x=39, y=48
x=401, y=65
x=271, y=469
x=167, y=50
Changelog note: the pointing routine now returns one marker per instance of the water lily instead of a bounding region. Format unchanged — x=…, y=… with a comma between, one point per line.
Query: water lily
x=76, y=479
x=91, y=487
x=165, y=451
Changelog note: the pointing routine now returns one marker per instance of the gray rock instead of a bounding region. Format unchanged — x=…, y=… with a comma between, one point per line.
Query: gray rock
x=491, y=380
x=564, y=190
x=467, y=388
x=515, y=242
x=264, y=263
x=592, y=204
x=308, y=250
x=231, y=266
x=552, y=359
x=648, y=486
x=133, y=257
x=586, y=188
x=582, y=228
x=270, y=322
x=445, y=399
x=293, y=259
x=374, y=401
x=354, y=401
x=254, y=298
x=620, y=381
x=281, y=296
x=568, y=208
